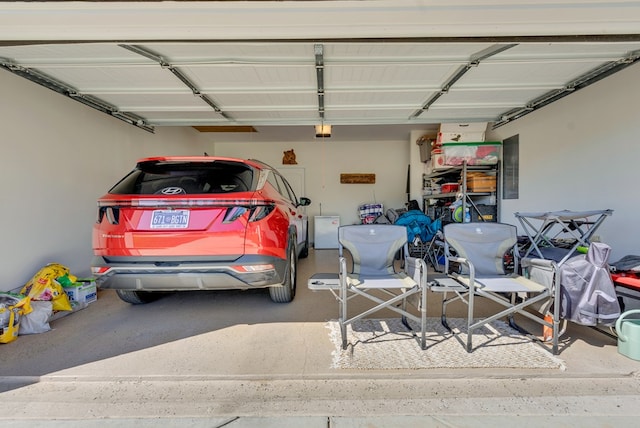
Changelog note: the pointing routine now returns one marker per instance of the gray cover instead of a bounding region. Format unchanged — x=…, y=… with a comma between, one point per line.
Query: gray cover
x=588, y=294
x=627, y=263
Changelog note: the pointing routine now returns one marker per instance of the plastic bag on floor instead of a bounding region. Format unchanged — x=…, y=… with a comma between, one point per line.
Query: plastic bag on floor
x=11, y=300
x=37, y=321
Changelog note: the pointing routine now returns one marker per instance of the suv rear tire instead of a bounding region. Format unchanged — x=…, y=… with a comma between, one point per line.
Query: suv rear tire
x=285, y=293
x=304, y=253
x=137, y=297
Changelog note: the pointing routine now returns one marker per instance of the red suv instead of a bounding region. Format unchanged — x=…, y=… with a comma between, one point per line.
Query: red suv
x=199, y=223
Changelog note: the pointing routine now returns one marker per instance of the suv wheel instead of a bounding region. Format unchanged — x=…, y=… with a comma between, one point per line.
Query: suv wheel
x=137, y=297
x=284, y=293
x=305, y=250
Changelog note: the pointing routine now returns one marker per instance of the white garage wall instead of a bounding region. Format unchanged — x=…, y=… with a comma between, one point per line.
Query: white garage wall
x=583, y=153
x=324, y=161
x=58, y=156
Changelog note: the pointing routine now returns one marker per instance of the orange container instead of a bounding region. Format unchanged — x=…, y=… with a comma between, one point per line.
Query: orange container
x=480, y=182
x=449, y=187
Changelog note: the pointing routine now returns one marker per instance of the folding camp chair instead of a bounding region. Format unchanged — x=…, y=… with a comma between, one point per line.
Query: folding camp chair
x=481, y=271
x=374, y=276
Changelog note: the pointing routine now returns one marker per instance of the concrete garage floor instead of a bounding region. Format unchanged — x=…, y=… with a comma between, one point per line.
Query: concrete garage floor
x=235, y=359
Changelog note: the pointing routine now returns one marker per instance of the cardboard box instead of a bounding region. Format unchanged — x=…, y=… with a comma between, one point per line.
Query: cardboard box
x=459, y=137
x=464, y=128
x=481, y=182
x=461, y=132
x=473, y=153
x=83, y=292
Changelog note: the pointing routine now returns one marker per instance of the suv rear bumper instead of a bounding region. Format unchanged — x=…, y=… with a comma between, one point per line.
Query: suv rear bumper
x=146, y=275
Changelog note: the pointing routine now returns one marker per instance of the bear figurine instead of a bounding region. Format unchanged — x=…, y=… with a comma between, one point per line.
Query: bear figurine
x=289, y=158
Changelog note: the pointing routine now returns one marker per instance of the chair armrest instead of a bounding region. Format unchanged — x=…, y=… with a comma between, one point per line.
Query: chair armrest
x=342, y=261
x=542, y=271
x=528, y=262
x=342, y=273
x=531, y=264
x=459, y=260
x=469, y=265
x=416, y=268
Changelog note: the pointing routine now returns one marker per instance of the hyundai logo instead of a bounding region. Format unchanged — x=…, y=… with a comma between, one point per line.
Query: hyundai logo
x=173, y=191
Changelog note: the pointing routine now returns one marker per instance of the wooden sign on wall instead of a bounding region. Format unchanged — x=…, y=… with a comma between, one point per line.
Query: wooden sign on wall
x=357, y=178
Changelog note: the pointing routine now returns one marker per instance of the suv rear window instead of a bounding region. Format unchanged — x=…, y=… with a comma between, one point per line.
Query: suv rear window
x=149, y=178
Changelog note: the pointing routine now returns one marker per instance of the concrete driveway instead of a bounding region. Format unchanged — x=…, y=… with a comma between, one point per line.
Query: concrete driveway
x=236, y=358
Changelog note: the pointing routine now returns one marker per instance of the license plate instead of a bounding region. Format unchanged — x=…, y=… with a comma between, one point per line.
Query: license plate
x=170, y=219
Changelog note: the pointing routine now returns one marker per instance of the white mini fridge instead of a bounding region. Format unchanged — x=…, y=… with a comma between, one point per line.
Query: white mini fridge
x=326, y=231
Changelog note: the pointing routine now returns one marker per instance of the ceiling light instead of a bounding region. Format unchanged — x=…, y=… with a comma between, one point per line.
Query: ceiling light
x=323, y=131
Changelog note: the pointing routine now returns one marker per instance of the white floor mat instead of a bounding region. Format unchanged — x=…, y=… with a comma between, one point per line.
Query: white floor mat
x=378, y=344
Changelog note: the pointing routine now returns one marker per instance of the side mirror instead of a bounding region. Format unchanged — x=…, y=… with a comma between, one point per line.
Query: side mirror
x=304, y=202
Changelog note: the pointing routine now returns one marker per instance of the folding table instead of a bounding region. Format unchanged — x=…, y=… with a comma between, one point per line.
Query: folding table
x=546, y=230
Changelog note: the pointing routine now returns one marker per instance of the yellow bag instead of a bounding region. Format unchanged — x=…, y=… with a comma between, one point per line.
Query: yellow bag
x=10, y=333
x=20, y=306
x=61, y=273
x=24, y=304
x=43, y=286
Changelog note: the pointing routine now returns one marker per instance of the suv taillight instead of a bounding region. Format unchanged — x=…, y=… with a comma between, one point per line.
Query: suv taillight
x=112, y=213
x=261, y=211
x=256, y=213
x=233, y=214
x=99, y=270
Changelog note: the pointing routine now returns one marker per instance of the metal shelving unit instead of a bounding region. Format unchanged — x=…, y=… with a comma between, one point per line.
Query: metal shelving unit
x=469, y=199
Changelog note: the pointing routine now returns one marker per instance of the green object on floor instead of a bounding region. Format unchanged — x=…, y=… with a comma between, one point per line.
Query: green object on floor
x=628, y=331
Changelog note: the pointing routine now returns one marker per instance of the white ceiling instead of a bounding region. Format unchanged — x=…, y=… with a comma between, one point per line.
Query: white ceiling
x=407, y=81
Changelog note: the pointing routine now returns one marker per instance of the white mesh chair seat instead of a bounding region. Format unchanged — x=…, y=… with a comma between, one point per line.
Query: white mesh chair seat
x=396, y=280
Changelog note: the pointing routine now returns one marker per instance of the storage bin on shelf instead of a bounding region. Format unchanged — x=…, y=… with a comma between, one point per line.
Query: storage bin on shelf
x=473, y=153
x=449, y=187
x=484, y=213
x=369, y=212
x=437, y=159
x=448, y=137
x=480, y=182
x=461, y=132
x=431, y=188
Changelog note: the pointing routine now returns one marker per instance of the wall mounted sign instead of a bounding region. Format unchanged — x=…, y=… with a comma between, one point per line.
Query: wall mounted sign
x=357, y=178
